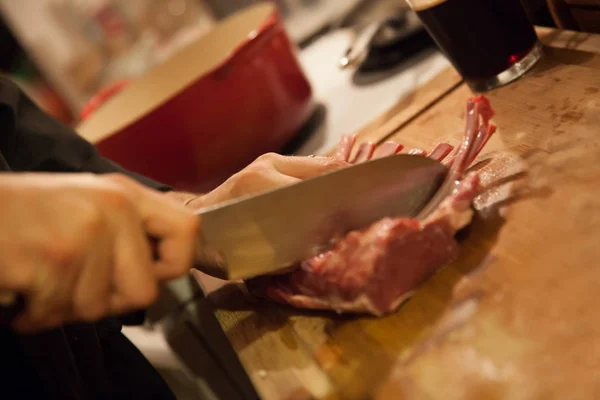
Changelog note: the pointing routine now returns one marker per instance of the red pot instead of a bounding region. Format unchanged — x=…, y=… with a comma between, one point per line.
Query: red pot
x=210, y=109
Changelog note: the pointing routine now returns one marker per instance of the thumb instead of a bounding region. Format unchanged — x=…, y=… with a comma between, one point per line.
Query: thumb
x=306, y=167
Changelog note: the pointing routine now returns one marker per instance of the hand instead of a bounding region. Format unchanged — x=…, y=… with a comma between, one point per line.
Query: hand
x=271, y=171
x=267, y=172
x=77, y=246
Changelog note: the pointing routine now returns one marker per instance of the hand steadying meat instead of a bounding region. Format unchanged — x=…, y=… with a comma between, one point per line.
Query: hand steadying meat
x=267, y=172
x=375, y=269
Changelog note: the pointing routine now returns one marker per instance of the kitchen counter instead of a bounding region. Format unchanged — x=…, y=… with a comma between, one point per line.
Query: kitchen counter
x=514, y=315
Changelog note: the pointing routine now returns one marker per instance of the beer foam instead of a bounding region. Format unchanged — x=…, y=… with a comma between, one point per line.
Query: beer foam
x=420, y=5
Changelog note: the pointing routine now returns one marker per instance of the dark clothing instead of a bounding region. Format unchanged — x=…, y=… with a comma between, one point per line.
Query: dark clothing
x=79, y=361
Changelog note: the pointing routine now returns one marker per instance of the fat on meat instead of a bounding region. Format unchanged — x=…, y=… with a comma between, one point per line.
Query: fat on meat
x=375, y=269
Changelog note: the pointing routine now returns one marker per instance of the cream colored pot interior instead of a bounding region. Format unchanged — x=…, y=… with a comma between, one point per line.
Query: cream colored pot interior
x=167, y=79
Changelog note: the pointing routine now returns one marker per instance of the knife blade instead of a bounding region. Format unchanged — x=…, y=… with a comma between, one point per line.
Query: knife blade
x=271, y=231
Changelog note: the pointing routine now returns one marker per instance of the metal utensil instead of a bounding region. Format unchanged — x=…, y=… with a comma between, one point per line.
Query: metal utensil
x=269, y=232
x=379, y=34
x=357, y=50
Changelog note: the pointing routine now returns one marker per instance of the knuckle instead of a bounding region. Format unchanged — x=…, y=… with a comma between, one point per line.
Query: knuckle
x=247, y=180
x=268, y=157
x=254, y=174
x=250, y=172
x=61, y=251
x=117, y=199
x=92, y=223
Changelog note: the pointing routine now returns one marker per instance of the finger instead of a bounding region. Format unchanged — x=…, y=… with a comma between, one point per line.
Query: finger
x=91, y=296
x=174, y=228
x=49, y=299
x=389, y=148
x=134, y=282
x=364, y=153
x=305, y=167
x=344, y=148
x=165, y=220
x=47, y=303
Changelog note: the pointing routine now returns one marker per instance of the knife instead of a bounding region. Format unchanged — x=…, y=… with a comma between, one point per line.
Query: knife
x=271, y=231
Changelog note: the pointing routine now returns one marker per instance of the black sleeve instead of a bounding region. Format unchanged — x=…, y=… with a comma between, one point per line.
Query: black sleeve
x=31, y=140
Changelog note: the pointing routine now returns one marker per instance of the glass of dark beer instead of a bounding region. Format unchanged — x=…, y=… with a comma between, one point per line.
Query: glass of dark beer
x=489, y=42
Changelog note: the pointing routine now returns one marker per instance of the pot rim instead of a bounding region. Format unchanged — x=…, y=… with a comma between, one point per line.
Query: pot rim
x=94, y=131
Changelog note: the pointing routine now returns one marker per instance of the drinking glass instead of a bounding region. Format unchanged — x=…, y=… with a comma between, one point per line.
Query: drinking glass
x=489, y=42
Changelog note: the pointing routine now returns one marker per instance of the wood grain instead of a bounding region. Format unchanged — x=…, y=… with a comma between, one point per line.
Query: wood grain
x=523, y=326
x=569, y=40
x=542, y=168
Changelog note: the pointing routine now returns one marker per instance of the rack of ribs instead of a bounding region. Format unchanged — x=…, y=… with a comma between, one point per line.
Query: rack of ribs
x=375, y=269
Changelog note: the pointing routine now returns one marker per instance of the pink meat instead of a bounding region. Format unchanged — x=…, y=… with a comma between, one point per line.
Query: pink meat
x=389, y=148
x=375, y=269
x=364, y=153
x=441, y=151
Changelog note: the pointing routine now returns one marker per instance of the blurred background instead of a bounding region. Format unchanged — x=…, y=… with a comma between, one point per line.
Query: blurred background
x=64, y=51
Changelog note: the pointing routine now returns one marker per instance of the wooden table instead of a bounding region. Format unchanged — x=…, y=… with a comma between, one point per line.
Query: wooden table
x=517, y=315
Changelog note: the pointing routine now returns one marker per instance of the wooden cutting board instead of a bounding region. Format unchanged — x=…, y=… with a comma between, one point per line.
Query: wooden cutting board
x=517, y=313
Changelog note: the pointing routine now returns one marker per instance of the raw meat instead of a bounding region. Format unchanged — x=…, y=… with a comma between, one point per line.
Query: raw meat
x=375, y=269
